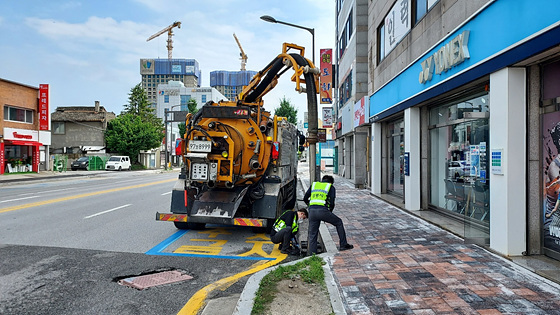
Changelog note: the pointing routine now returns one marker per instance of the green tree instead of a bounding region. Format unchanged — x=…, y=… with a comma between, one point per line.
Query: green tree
x=136, y=128
x=182, y=129
x=287, y=110
x=128, y=134
x=192, y=105
x=138, y=105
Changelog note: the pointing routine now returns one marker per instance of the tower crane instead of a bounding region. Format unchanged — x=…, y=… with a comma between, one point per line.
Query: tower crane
x=169, y=31
x=242, y=54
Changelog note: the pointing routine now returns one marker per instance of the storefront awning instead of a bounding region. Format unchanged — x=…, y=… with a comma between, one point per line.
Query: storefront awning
x=19, y=142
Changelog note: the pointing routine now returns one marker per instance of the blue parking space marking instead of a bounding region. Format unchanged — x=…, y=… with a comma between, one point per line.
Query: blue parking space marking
x=159, y=248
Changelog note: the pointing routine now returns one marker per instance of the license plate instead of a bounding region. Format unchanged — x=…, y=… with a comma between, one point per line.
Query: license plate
x=199, y=171
x=200, y=146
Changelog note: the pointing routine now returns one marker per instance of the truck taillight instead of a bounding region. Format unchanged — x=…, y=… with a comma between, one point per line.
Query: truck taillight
x=275, y=150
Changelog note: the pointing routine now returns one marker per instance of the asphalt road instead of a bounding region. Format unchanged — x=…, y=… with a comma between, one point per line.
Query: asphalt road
x=64, y=245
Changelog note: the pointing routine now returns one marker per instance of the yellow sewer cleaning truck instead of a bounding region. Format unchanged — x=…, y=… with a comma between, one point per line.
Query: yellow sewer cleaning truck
x=240, y=161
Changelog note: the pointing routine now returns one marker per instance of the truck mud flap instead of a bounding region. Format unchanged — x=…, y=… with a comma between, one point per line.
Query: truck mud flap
x=218, y=203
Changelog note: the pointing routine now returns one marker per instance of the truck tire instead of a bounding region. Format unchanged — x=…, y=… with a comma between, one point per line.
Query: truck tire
x=292, y=202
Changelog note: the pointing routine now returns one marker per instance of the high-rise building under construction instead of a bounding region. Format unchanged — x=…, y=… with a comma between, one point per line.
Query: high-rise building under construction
x=230, y=83
x=161, y=71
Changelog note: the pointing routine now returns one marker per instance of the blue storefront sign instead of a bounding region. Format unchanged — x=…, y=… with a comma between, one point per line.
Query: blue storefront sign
x=475, y=49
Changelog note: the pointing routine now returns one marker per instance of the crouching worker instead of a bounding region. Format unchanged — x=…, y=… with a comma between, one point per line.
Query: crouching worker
x=285, y=228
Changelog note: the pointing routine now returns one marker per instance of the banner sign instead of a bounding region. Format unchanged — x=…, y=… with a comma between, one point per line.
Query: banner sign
x=360, y=112
x=397, y=24
x=551, y=182
x=327, y=117
x=43, y=107
x=326, y=76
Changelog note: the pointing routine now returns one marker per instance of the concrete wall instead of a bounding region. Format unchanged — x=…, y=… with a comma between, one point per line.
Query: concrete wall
x=508, y=215
x=76, y=135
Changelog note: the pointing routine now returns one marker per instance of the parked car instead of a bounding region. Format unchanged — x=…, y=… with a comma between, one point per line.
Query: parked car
x=81, y=163
x=118, y=163
x=459, y=169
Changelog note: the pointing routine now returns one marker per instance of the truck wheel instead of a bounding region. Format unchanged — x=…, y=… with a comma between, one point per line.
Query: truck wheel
x=292, y=202
x=269, y=223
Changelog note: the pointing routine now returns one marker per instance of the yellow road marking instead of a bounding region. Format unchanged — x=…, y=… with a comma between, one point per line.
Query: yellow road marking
x=197, y=300
x=46, y=202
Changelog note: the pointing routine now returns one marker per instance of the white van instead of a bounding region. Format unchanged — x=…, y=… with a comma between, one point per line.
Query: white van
x=118, y=163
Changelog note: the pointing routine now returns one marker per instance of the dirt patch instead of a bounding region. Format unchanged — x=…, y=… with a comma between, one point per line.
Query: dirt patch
x=297, y=297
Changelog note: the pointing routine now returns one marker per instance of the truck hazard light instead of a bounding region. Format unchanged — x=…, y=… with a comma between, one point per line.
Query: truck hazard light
x=174, y=217
x=248, y=222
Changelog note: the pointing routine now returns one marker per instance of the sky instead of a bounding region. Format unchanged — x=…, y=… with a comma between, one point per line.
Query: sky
x=90, y=51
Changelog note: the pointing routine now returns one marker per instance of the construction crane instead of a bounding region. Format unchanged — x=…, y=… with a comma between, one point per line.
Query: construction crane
x=169, y=31
x=242, y=54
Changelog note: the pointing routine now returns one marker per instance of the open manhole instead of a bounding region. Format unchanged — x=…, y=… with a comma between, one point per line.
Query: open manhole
x=153, y=279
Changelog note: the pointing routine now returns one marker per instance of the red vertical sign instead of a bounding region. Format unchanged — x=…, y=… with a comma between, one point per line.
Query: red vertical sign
x=2, y=157
x=326, y=76
x=43, y=107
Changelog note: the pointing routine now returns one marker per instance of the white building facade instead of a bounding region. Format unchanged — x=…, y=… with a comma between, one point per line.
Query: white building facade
x=465, y=116
x=174, y=96
x=350, y=82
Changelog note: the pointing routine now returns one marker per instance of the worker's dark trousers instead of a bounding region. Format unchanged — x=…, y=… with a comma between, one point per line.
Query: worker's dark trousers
x=316, y=215
x=284, y=236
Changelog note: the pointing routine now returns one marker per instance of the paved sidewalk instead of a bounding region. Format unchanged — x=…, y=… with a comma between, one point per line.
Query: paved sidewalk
x=402, y=264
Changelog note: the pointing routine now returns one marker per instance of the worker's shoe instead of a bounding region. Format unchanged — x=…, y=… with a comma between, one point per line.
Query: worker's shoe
x=346, y=247
x=291, y=251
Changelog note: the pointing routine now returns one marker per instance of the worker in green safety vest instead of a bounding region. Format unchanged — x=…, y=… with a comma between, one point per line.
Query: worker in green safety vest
x=285, y=228
x=320, y=198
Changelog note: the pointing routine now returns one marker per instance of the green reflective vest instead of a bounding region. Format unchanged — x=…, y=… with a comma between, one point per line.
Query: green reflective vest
x=280, y=224
x=319, y=193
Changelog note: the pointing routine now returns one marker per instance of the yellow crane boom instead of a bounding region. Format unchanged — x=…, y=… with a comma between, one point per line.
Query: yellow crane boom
x=169, y=31
x=242, y=54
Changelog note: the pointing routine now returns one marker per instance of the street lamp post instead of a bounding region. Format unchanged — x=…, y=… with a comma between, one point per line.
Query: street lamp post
x=314, y=173
x=270, y=19
x=168, y=111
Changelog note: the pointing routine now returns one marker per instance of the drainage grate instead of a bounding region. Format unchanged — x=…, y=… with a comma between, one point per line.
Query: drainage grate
x=154, y=279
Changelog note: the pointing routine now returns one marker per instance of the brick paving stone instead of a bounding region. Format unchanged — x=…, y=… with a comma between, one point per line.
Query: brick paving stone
x=401, y=264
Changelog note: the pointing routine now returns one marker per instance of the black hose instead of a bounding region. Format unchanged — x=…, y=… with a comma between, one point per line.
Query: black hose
x=261, y=87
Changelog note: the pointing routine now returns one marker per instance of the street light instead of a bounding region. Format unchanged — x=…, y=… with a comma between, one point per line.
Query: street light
x=270, y=19
x=314, y=173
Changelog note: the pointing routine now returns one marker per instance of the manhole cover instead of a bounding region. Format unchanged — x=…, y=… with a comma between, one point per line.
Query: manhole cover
x=154, y=279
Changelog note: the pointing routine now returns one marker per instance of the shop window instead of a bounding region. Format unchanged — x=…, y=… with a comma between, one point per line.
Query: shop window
x=345, y=90
x=346, y=34
x=422, y=8
x=395, y=174
x=459, y=168
x=58, y=127
x=381, y=43
x=18, y=114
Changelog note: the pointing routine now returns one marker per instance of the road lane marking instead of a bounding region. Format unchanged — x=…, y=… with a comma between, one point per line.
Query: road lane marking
x=46, y=202
x=17, y=199
x=107, y=211
x=158, y=250
x=167, y=193
x=196, y=302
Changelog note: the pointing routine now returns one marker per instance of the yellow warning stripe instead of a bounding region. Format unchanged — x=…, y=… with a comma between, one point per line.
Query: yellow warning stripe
x=248, y=222
x=171, y=217
x=46, y=202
